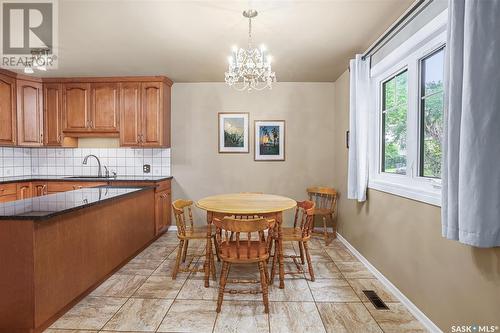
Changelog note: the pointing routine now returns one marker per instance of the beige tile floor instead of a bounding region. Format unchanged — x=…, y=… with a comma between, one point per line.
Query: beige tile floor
x=142, y=297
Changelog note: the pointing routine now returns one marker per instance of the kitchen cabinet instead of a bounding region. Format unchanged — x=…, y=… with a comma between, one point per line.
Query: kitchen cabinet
x=7, y=110
x=91, y=108
x=39, y=189
x=29, y=113
x=24, y=191
x=145, y=114
x=130, y=113
x=52, y=98
x=163, y=210
x=76, y=107
x=8, y=192
x=105, y=107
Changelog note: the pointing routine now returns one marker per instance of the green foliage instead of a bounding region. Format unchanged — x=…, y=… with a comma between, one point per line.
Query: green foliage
x=233, y=139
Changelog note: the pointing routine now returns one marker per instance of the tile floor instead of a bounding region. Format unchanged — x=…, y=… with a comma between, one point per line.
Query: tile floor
x=142, y=297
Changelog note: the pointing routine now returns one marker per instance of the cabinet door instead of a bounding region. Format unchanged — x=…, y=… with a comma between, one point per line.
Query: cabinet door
x=52, y=93
x=39, y=189
x=7, y=111
x=105, y=107
x=76, y=107
x=24, y=191
x=130, y=114
x=151, y=115
x=29, y=113
x=163, y=211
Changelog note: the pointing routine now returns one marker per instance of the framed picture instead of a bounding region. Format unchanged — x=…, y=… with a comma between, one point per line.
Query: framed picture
x=269, y=140
x=233, y=132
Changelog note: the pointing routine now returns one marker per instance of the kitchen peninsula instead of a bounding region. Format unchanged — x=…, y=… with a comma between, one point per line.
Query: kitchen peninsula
x=56, y=248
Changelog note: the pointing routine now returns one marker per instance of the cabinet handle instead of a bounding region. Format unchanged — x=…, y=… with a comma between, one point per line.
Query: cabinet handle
x=91, y=124
x=59, y=138
x=88, y=124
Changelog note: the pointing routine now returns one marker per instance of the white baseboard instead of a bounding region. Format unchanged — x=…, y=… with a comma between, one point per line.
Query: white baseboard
x=415, y=311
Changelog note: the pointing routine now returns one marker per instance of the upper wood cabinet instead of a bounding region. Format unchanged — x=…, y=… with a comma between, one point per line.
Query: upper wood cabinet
x=29, y=113
x=105, y=107
x=91, y=108
x=76, y=107
x=145, y=114
x=52, y=98
x=7, y=110
x=130, y=113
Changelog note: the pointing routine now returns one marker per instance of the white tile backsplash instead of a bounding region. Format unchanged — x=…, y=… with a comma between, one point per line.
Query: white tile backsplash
x=68, y=161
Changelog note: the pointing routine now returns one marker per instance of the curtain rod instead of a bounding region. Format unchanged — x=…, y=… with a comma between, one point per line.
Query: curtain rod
x=402, y=22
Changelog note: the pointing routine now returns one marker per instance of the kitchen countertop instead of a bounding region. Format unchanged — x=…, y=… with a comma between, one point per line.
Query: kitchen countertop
x=47, y=206
x=15, y=179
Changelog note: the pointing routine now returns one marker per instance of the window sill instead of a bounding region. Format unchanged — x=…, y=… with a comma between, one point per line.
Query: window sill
x=418, y=193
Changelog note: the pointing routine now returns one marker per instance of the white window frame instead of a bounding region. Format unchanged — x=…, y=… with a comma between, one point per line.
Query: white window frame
x=408, y=56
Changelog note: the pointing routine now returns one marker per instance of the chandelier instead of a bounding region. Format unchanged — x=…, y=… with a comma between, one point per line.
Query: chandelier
x=250, y=69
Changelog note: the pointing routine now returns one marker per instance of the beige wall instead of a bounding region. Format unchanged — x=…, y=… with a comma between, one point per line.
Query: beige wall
x=199, y=170
x=453, y=284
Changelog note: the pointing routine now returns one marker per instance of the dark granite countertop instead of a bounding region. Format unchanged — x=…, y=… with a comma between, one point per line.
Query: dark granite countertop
x=15, y=179
x=47, y=206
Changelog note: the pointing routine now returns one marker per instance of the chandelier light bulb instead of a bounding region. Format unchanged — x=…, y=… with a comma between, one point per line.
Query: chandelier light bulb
x=28, y=70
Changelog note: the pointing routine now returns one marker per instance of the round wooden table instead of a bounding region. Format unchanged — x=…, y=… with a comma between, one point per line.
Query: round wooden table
x=265, y=205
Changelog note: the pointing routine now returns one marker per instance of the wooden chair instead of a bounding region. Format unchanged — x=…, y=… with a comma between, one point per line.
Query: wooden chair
x=301, y=233
x=325, y=199
x=250, y=245
x=187, y=232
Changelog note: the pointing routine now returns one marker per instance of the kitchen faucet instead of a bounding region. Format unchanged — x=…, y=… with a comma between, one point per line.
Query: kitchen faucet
x=99, y=172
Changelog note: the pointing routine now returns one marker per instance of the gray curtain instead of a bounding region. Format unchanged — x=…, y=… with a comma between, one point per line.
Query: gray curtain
x=471, y=164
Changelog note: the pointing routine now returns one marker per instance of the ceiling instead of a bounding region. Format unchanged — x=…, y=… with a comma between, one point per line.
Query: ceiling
x=189, y=41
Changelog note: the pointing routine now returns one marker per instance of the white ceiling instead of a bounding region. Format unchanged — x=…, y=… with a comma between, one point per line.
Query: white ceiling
x=189, y=41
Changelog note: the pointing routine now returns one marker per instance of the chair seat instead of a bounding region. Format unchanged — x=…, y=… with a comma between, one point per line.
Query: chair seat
x=292, y=234
x=322, y=211
x=196, y=233
x=255, y=252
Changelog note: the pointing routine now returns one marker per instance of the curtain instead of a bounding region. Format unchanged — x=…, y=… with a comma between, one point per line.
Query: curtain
x=359, y=102
x=471, y=145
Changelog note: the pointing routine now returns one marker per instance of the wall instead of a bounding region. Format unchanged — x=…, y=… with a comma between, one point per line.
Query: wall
x=451, y=283
x=199, y=170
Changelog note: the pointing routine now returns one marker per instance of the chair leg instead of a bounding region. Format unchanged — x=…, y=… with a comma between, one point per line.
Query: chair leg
x=301, y=249
x=184, y=254
x=177, y=260
x=216, y=248
x=309, y=262
x=273, y=266
x=325, y=230
x=334, y=227
x=222, y=285
x=263, y=282
x=212, y=262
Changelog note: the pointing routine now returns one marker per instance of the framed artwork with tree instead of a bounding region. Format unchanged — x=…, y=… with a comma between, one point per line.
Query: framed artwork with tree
x=269, y=140
x=233, y=132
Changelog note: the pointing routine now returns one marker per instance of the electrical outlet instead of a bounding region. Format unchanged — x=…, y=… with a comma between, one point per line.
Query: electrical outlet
x=146, y=168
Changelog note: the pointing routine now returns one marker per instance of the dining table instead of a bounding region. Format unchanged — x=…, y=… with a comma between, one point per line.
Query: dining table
x=248, y=204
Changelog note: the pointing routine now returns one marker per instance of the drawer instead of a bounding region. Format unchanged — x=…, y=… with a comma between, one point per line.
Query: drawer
x=55, y=187
x=8, y=189
x=7, y=198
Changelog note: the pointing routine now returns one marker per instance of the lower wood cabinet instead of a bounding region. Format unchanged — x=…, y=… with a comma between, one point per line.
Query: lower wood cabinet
x=39, y=189
x=162, y=192
x=24, y=191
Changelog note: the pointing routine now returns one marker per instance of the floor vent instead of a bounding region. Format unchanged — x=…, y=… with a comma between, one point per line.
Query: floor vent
x=375, y=299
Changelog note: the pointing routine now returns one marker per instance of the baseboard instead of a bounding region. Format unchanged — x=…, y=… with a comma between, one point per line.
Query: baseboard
x=415, y=311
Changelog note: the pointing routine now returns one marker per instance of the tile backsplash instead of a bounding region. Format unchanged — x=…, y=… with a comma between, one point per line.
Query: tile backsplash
x=68, y=161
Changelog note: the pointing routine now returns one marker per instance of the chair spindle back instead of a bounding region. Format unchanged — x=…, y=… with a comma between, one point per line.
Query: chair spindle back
x=181, y=207
x=325, y=198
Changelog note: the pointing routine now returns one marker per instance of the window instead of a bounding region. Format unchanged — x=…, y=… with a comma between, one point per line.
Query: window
x=394, y=114
x=431, y=113
x=406, y=121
